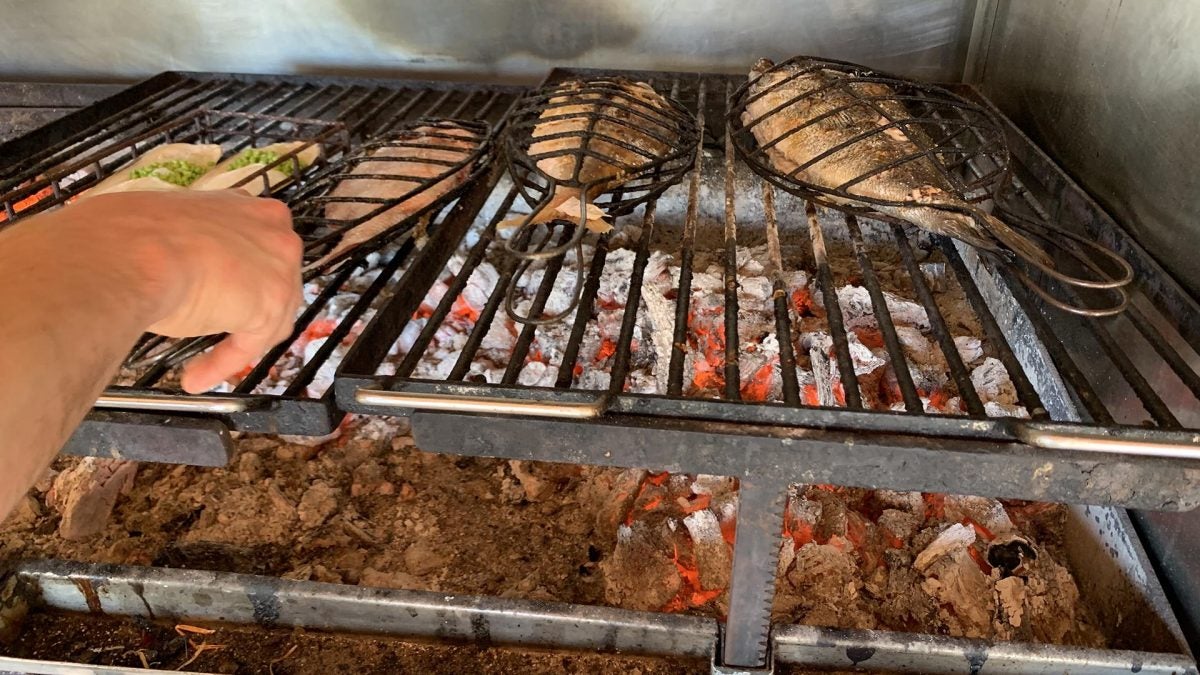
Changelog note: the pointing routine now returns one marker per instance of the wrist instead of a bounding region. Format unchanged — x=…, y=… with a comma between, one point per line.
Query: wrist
x=121, y=257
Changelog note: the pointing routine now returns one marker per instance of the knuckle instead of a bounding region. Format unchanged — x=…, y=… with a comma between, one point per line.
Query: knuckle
x=275, y=209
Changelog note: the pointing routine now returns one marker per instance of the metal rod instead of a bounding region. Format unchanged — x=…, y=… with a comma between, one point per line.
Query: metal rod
x=167, y=403
x=683, y=298
x=780, y=299
x=833, y=310
x=633, y=303
x=1027, y=396
x=958, y=370
x=482, y=404
x=446, y=304
x=583, y=314
x=263, y=368
x=385, y=276
x=507, y=276
x=516, y=360
x=732, y=372
x=883, y=317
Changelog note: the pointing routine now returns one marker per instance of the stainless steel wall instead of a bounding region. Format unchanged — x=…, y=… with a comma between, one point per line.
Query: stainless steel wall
x=1111, y=89
x=517, y=38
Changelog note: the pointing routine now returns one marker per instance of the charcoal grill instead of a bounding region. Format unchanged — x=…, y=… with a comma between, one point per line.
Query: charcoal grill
x=1076, y=446
x=150, y=418
x=1109, y=423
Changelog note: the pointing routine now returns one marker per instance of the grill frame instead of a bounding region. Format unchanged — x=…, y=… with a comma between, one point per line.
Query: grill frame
x=140, y=422
x=1072, y=448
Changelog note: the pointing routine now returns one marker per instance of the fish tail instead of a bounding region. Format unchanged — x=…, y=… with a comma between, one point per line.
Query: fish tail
x=563, y=205
x=1017, y=242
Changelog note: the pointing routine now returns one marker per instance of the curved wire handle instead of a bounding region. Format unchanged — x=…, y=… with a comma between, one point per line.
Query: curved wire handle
x=1068, y=242
x=524, y=233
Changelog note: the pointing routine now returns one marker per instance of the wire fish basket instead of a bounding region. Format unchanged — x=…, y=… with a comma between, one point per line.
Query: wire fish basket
x=851, y=138
x=386, y=188
x=582, y=153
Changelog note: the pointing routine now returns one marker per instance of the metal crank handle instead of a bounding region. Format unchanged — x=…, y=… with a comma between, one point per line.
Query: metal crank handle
x=486, y=405
x=1050, y=439
x=185, y=404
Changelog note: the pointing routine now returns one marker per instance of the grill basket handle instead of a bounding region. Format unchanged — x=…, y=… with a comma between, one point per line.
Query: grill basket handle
x=486, y=405
x=186, y=404
x=1057, y=439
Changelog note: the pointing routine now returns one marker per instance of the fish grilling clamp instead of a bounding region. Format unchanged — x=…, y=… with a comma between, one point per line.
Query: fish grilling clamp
x=963, y=141
x=605, y=123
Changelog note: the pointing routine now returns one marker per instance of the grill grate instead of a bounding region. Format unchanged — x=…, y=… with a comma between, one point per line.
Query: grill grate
x=389, y=369
x=237, y=111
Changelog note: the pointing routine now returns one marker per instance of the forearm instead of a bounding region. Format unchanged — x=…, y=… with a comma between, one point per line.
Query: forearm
x=78, y=285
x=70, y=309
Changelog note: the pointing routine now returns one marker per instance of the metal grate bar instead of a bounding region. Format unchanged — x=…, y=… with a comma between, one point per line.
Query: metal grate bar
x=445, y=305
x=683, y=300
x=583, y=314
x=441, y=100
x=633, y=303
x=486, y=317
x=1150, y=400
x=732, y=362
x=883, y=316
x=833, y=311
x=779, y=293
x=958, y=369
x=47, y=158
x=458, y=109
x=309, y=371
x=483, y=110
x=1026, y=394
x=516, y=362
x=1159, y=342
x=263, y=368
x=379, y=107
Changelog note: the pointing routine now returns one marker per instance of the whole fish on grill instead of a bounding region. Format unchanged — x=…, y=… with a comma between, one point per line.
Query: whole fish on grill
x=917, y=181
x=588, y=157
x=408, y=167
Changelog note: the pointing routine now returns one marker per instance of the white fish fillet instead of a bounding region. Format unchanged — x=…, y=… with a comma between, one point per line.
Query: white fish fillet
x=410, y=175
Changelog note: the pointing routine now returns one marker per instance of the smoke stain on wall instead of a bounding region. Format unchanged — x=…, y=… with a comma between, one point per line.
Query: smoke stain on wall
x=486, y=32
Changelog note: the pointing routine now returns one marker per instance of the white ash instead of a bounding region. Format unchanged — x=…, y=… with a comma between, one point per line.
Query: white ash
x=993, y=384
x=858, y=312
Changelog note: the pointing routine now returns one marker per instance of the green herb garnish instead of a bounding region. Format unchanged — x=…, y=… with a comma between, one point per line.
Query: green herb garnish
x=178, y=171
x=259, y=156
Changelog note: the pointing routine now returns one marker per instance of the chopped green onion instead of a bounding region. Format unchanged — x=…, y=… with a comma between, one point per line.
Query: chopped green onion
x=259, y=156
x=177, y=171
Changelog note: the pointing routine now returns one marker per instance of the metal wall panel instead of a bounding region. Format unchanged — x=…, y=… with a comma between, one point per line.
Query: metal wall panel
x=516, y=38
x=1111, y=89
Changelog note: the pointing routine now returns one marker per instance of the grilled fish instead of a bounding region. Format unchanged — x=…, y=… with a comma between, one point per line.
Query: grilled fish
x=409, y=167
x=572, y=112
x=917, y=181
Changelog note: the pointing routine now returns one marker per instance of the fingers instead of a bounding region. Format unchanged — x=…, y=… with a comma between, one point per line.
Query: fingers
x=232, y=355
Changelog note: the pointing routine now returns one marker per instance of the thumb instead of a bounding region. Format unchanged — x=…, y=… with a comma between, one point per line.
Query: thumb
x=231, y=355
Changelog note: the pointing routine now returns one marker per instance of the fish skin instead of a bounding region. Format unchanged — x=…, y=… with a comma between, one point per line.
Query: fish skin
x=916, y=180
x=603, y=175
x=454, y=151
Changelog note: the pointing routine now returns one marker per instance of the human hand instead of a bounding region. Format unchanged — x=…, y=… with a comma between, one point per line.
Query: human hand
x=211, y=262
